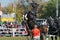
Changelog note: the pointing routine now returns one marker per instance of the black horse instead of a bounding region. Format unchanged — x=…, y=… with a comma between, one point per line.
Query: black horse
x=54, y=27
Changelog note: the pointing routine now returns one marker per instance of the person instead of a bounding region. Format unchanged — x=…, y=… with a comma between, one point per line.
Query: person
x=35, y=33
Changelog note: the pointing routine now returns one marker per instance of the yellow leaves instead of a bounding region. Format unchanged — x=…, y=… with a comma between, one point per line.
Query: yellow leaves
x=19, y=12
x=8, y=9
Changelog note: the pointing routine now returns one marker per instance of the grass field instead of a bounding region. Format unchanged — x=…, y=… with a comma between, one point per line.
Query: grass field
x=17, y=38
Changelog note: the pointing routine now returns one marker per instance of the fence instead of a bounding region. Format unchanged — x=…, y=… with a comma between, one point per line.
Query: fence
x=21, y=31
x=13, y=31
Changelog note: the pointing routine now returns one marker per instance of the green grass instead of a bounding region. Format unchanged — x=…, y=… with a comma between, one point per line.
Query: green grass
x=14, y=38
x=17, y=38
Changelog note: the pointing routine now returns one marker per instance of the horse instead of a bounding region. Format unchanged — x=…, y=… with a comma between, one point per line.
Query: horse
x=44, y=31
x=53, y=27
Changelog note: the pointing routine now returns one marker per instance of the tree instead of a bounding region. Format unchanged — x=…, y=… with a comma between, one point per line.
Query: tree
x=59, y=7
x=19, y=12
x=50, y=9
x=21, y=9
x=47, y=9
x=8, y=9
x=40, y=11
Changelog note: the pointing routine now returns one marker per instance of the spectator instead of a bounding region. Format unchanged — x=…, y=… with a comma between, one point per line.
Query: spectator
x=35, y=33
x=12, y=25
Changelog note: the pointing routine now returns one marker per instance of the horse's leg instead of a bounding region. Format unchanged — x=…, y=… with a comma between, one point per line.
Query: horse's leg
x=41, y=37
x=46, y=32
x=46, y=36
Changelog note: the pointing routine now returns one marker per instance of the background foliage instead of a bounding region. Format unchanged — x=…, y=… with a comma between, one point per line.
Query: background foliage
x=45, y=9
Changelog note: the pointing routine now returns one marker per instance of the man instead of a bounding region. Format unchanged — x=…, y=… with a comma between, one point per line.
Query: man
x=35, y=33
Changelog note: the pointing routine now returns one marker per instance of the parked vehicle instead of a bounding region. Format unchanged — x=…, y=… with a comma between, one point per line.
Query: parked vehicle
x=41, y=22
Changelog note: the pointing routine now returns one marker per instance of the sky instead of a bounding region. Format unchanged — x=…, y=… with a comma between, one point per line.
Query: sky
x=6, y=2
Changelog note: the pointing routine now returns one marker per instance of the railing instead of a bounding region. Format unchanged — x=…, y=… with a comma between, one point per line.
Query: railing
x=13, y=31
x=20, y=31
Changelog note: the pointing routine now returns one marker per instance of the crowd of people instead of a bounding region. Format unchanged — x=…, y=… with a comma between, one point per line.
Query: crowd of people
x=9, y=25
